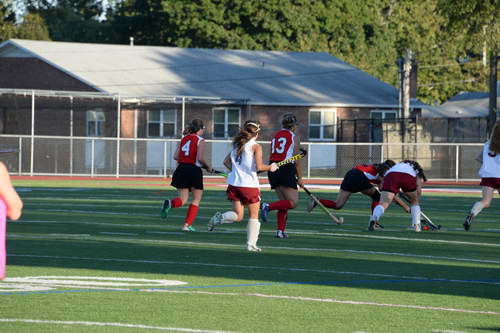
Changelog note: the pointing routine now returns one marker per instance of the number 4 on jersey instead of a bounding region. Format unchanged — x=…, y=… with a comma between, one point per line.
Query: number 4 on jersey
x=185, y=148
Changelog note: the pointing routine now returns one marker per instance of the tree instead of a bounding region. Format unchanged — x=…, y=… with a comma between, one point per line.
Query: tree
x=7, y=21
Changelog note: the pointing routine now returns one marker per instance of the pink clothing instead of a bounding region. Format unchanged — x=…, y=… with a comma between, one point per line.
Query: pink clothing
x=3, y=233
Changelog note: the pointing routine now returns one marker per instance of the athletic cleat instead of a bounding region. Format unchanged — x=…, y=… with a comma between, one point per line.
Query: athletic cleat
x=416, y=227
x=468, y=221
x=253, y=248
x=166, y=207
x=378, y=226
x=189, y=228
x=264, y=211
x=310, y=205
x=281, y=234
x=215, y=220
x=371, y=225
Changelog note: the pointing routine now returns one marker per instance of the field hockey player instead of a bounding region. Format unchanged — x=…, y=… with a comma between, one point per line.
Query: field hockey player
x=243, y=185
x=406, y=176
x=489, y=173
x=362, y=178
x=284, y=144
x=188, y=175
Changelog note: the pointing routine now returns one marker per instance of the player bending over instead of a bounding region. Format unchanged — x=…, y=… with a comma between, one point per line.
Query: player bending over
x=406, y=176
x=190, y=155
x=362, y=178
x=489, y=173
x=284, y=182
x=243, y=185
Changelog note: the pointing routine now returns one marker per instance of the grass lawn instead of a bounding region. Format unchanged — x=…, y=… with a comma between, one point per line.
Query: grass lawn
x=94, y=256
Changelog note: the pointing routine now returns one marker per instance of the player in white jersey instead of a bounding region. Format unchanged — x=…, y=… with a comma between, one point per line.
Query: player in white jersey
x=243, y=185
x=489, y=173
x=406, y=176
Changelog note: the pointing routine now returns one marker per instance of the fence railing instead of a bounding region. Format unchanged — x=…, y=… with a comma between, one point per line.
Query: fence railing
x=104, y=156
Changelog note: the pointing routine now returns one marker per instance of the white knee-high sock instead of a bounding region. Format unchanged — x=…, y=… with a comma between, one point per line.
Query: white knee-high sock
x=415, y=214
x=229, y=217
x=253, y=229
x=378, y=211
x=477, y=208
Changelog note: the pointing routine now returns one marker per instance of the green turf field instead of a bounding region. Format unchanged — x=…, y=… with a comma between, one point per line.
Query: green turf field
x=96, y=257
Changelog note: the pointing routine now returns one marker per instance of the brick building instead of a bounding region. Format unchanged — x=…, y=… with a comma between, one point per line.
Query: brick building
x=223, y=87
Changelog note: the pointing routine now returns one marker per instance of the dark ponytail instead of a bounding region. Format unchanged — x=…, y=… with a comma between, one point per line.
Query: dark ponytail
x=383, y=167
x=194, y=126
x=289, y=121
x=249, y=131
x=417, y=168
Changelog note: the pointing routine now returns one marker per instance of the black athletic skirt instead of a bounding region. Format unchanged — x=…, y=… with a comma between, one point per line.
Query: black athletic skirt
x=189, y=176
x=286, y=176
x=355, y=181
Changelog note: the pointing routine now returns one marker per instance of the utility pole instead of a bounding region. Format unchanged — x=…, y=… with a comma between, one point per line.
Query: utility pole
x=404, y=70
x=492, y=115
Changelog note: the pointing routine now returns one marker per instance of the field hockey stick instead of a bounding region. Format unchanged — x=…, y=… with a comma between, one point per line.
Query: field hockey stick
x=220, y=173
x=300, y=155
x=338, y=220
x=296, y=157
x=426, y=220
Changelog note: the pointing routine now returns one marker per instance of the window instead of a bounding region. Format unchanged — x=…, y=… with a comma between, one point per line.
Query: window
x=378, y=117
x=161, y=123
x=95, y=123
x=226, y=122
x=322, y=124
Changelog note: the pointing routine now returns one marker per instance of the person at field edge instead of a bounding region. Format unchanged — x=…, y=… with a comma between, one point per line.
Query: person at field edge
x=284, y=144
x=10, y=207
x=361, y=178
x=489, y=173
x=188, y=176
x=243, y=185
x=406, y=176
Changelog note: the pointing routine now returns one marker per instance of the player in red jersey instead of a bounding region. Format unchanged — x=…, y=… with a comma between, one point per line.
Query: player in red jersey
x=284, y=144
x=489, y=173
x=362, y=178
x=188, y=175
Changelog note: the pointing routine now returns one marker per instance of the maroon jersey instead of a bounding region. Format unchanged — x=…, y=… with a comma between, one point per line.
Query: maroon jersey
x=188, y=149
x=369, y=171
x=282, y=145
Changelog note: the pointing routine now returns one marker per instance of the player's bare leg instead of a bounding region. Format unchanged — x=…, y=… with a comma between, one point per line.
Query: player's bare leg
x=487, y=196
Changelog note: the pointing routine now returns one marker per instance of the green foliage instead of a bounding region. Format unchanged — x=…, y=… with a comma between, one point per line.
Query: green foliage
x=371, y=35
x=32, y=25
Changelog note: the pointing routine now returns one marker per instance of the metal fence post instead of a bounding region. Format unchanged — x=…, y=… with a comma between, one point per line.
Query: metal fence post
x=20, y=166
x=164, y=159
x=32, y=132
x=92, y=158
x=457, y=152
x=118, y=134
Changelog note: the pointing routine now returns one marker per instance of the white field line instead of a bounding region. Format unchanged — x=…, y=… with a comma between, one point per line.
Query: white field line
x=330, y=300
x=119, y=233
x=297, y=231
x=204, y=244
x=251, y=267
x=101, y=324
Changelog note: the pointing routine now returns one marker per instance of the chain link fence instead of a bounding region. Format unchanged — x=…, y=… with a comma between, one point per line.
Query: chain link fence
x=84, y=156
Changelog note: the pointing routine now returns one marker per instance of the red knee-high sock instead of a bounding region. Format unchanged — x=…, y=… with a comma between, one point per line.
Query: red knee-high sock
x=176, y=202
x=191, y=214
x=328, y=203
x=280, y=205
x=374, y=204
x=282, y=219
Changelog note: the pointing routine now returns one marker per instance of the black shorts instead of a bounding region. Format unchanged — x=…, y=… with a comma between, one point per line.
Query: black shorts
x=286, y=176
x=189, y=176
x=355, y=181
